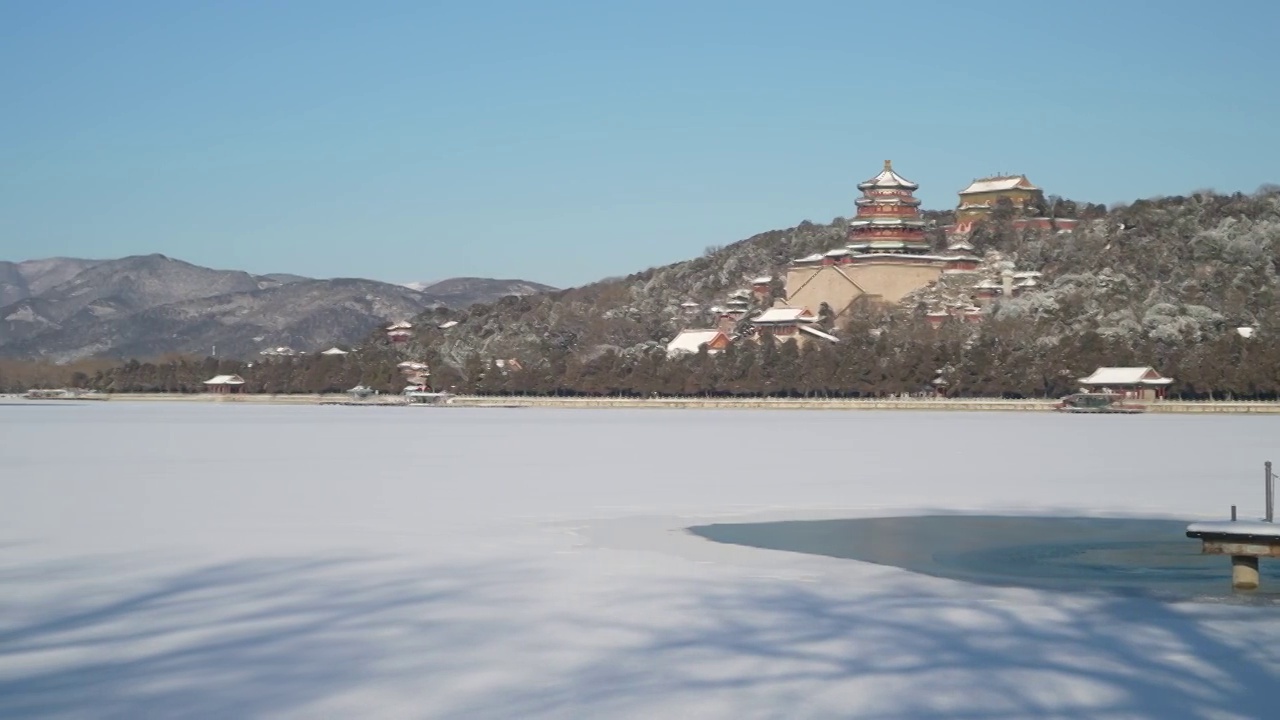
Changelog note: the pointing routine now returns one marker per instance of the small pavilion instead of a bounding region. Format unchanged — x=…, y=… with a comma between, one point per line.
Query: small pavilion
x=225, y=384
x=1138, y=383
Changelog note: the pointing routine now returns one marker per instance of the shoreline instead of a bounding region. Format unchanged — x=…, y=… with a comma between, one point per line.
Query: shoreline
x=673, y=403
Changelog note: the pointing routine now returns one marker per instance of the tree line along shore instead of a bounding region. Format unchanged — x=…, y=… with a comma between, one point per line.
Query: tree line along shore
x=909, y=361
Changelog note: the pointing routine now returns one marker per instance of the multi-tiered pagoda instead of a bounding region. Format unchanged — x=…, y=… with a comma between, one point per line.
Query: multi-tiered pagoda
x=888, y=219
x=886, y=257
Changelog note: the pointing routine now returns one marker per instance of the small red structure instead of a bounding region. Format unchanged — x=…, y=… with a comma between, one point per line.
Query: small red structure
x=1138, y=383
x=962, y=262
x=783, y=321
x=225, y=384
x=762, y=288
x=691, y=341
x=727, y=322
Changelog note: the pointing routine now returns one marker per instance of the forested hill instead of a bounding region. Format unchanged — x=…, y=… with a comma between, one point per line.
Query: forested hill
x=1161, y=282
x=624, y=314
x=1167, y=282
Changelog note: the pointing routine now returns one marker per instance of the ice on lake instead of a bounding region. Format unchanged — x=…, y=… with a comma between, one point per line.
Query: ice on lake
x=1135, y=557
x=229, y=560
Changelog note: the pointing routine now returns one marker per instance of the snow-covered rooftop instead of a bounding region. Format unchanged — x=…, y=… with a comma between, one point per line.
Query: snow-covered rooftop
x=887, y=179
x=448, y=324
x=997, y=184
x=225, y=380
x=401, y=325
x=334, y=351
x=762, y=280
x=1125, y=376
x=784, y=315
x=690, y=341
x=818, y=333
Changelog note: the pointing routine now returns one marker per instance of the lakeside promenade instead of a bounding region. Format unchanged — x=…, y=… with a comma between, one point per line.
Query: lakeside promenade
x=690, y=403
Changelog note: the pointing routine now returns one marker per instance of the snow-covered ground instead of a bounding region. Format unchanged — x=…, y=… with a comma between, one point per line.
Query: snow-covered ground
x=174, y=560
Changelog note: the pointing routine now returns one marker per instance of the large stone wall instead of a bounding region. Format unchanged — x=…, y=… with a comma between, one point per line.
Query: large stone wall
x=886, y=280
x=892, y=281
x=810, y=287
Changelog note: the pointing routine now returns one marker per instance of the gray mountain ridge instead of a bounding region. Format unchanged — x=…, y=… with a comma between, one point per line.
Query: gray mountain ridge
x=460, y=292
x=64, y=309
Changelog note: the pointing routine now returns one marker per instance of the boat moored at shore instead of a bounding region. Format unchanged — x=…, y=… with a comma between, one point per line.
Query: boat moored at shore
x=1098, y=403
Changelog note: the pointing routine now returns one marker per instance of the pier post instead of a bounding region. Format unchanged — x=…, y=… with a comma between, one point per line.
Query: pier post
x=1244, y=572
x=1271, y=494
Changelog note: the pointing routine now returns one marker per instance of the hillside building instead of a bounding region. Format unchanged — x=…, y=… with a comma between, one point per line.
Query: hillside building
x=690, y=342
x=789, y=323
x=762, y=288
x=887, y=259
x=783, y=322
x=887, y=256
x=980, y=198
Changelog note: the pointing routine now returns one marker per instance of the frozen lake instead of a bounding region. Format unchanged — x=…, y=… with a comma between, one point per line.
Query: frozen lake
x=194, y=560
x=1132, y=557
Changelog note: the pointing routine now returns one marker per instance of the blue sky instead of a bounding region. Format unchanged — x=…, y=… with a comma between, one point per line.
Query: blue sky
x=567, y=141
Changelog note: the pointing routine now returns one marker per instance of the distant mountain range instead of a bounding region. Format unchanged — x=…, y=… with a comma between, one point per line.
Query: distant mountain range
x=462, y=292
x=68, y=308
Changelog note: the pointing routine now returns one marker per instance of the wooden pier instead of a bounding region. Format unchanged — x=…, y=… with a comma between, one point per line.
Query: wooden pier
x=1246, y=542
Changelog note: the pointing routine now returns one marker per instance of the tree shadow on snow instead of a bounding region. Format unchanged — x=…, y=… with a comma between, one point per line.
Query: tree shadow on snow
x=275, y=637
x=771, y=649
x=235, y=640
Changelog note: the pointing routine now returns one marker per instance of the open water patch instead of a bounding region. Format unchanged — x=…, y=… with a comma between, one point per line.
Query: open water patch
x=1152, y=558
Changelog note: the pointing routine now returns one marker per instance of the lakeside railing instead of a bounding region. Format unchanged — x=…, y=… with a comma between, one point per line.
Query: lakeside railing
x=701, y=401
x=938, y=403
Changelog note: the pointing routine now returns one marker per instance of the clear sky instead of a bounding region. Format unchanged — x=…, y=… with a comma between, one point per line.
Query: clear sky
x=565, y=141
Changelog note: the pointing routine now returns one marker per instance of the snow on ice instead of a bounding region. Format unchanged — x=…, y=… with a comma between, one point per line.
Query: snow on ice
x=226, y=560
